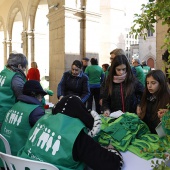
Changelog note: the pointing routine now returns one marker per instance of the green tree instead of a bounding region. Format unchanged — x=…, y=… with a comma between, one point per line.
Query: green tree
x=152, y=12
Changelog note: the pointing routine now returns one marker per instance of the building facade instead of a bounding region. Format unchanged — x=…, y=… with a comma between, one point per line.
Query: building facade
x=56, y=32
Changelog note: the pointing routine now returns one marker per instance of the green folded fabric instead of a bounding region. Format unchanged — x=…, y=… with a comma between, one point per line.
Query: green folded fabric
x=137, y=151
x=50, y=92
x=150, y=138
x=149, y=146
x=128, y=132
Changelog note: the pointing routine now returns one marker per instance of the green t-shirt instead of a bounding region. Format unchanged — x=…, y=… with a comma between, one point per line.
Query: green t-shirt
x=95, y=73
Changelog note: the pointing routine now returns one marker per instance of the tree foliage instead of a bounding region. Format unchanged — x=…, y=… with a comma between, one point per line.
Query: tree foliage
x=152, y=12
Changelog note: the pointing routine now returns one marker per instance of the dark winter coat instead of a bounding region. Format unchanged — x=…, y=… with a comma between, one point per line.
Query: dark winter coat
x=70, y=84
x=117, y=100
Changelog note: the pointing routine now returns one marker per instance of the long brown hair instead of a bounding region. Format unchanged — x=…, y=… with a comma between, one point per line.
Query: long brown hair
x=162, y=95
x=129, y=81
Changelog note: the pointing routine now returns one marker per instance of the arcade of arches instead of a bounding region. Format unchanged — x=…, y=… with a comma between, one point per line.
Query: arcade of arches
x=53, y=33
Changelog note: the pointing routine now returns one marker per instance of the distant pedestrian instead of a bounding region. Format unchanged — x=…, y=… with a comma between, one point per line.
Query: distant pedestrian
x=145, y=67
x=33, y=72
x=96, y=75
x=105, y=67
x=139, y=71
x=85, y=61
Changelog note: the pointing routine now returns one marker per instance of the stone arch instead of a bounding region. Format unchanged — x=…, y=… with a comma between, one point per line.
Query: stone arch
x=31, y=12
x=150, y=60
x=2, y=26
x=33, y=32
x=3, y=43
x=15, y=8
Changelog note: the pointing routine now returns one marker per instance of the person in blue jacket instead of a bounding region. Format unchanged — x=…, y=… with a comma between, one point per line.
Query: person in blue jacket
x=23, y=115
x=74, y=82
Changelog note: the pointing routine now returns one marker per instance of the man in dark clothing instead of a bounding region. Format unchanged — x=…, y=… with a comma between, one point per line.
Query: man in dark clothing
x=85, y=61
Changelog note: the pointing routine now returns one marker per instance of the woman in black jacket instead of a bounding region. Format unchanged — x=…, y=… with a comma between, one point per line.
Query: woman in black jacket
x=155, y=99
x=122, y=91
x=74, y=82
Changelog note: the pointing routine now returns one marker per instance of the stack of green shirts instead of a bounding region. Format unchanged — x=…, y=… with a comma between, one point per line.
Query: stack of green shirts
x=129, y=132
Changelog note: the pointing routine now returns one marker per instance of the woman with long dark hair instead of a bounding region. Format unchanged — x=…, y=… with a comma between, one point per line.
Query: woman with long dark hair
x=156, y=96
x=122, y=91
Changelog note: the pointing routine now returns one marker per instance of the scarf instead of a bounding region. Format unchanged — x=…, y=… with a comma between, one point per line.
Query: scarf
x=119, y=79
x=151, y=98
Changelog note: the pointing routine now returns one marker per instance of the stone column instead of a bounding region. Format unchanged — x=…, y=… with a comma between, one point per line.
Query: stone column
x=69, y=38
x=5, y=52
x=25, y=42
x=92, y=34
x=56, y=49
x=9, y=47
x=88, y=14
x=31, y=48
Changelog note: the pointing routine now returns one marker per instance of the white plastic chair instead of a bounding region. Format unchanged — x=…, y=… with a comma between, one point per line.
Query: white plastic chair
x=6, y=144
x=17, y=163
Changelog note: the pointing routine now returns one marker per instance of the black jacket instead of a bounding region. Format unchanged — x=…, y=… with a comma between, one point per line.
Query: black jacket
x=117, y=100
x=70, y=84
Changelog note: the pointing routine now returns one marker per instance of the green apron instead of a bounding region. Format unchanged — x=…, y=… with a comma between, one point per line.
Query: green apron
x=52, y=140
x=16, y=126
x=7, y=97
